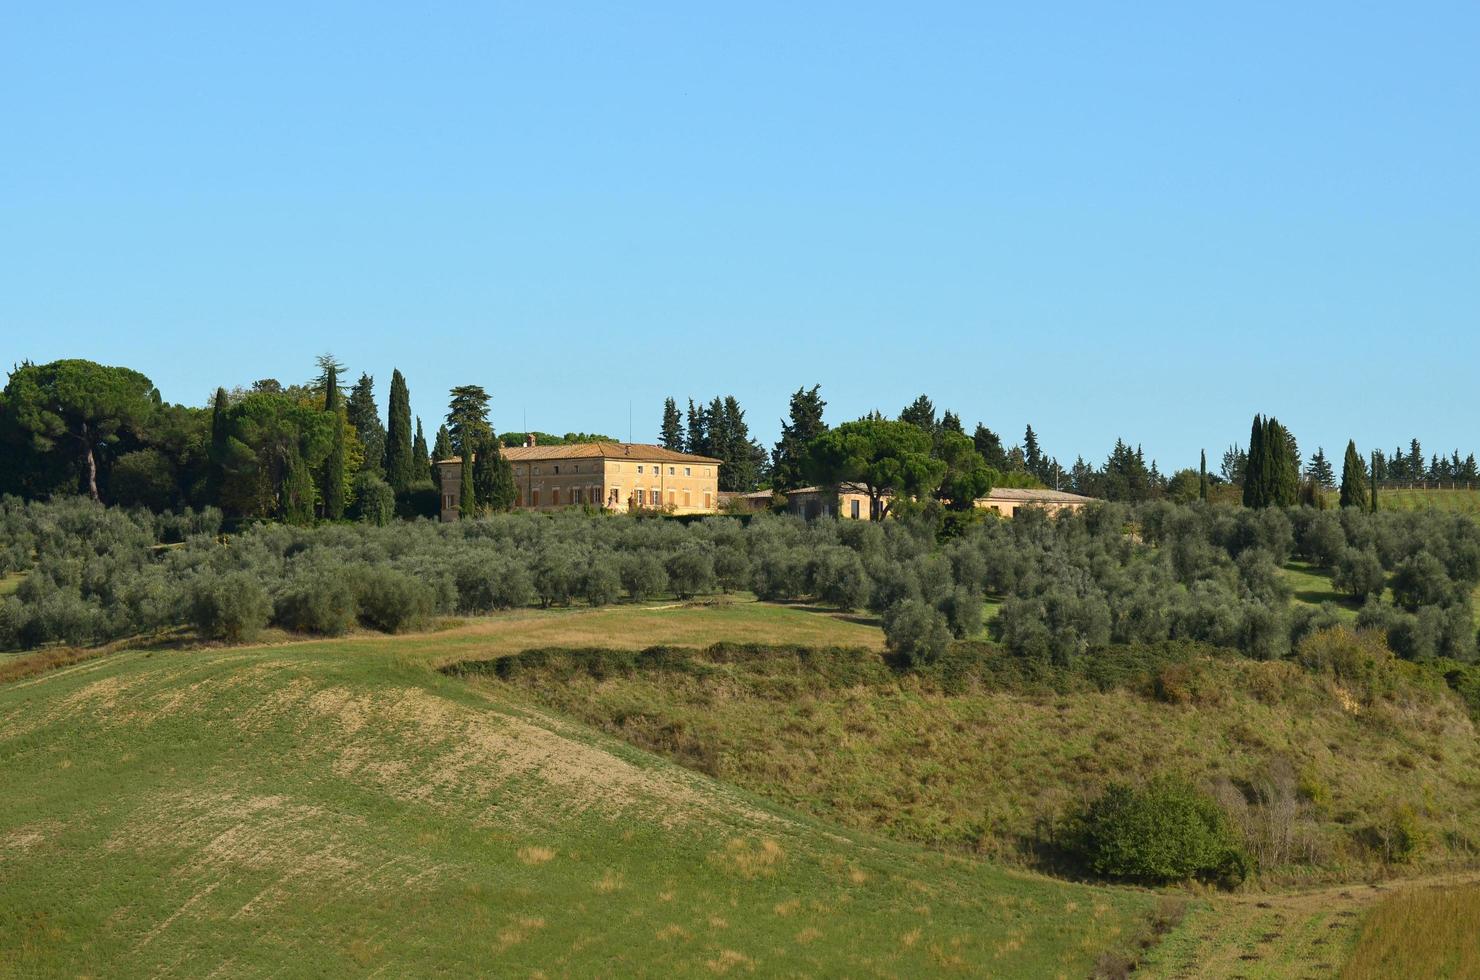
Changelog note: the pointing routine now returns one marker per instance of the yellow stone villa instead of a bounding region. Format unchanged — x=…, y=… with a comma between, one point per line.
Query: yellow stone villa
x=615, y=476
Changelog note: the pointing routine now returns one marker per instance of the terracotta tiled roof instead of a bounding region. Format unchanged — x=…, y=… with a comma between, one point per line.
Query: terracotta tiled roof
x=640, y=451
x=1027, y=496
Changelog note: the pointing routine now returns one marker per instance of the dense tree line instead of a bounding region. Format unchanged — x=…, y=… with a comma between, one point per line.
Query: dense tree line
x=1068, y=585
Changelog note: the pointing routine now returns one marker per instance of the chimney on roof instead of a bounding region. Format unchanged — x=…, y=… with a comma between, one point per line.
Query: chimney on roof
x=627, y=450
x=529, y=440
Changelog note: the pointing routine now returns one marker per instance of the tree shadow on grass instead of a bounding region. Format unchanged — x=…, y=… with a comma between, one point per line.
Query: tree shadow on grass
x=857, y=618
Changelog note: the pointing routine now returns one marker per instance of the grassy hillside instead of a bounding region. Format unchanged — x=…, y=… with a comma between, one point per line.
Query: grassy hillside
x=338, y=808
x=1319, y=771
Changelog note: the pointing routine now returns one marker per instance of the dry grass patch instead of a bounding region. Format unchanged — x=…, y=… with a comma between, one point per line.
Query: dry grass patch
x=728, y=960
x=536, y=855
x=748, y=858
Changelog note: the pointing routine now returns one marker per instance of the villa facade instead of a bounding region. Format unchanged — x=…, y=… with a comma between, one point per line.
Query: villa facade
x=615, y=476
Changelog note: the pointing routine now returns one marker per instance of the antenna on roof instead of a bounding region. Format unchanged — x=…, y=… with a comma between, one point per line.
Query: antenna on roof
x=629, y=421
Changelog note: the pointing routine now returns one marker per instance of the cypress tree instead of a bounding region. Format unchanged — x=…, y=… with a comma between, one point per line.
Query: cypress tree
x=441, y=450
x=671, y=436
x=365, y=417
x=399, y=458
x=297, y=499
x=697, y=441
x=467, y=500
x=1372, y=497
x=1202, y=477
x=1353, y=478
x=332, y=484
x=1254, y=480
x=505, y=491
x=1282, y=466
x=220, y=435
x=420, y=457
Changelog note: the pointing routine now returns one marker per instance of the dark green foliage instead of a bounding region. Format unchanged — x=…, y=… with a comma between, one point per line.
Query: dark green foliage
x=332, y=484
x=989, y=445
x=467, y=497
x=375, y=502
x=297, y=490
x=1421, y=580
x=1272, y=473
x=1202, y=477
x=420, y=455
x=320, y=601
x=1359, y=574
x=493, y=478
x=1353, y=479
x=392, y=601
x=670, y=435
x=365, y=417
x=400, y=464
x=144, y=478
x=467, y=420
x=440, y=451
x=1320, y=471
x=966, y=476
x=886, y=458
x=804, y=423
x=921, y=414
x=72, y=413
x=1163, y=832
x=232, y=607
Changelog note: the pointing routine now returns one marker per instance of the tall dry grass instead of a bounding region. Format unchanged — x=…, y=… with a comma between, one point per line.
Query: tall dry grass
x=1431, y=932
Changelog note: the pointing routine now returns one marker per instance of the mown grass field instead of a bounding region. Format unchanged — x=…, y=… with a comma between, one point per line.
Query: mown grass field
x=339, y=808
x=1457, y=501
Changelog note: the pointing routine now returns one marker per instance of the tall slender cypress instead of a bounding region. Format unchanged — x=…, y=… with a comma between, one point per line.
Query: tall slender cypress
x=1372, y=497
x=420, y=456
x=332, y=485
x=1202, y=477
x=216, y=476
x=441, y=450
x=467, y=501
x=399, y=465
x=1254, y=478
x=1353, y=478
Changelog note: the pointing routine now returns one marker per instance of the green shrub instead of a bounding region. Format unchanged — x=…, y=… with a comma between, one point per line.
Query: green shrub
x=1162, y=832
x=375, y=501
x=915, y=632
x=392, y=601
x=690, y=572
x=601, y=584
x=643, y=576
x=319, y=602
x=231, y=607
x=1359, y=574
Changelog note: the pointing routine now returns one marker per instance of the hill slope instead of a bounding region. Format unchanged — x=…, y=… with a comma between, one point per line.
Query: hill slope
x=335, y=808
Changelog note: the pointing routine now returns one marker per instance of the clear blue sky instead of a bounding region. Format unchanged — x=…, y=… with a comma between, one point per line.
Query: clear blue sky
x=1106, y=220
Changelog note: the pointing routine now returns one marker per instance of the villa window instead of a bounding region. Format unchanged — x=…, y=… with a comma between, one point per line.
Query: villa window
x=671, y=470
x=687, y=500
x=688, y=471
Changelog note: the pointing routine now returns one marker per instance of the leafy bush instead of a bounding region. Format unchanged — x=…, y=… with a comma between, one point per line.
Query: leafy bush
x=232, y=607
x=375, y=501
x=1359, y=574
x=839, y=578
x=321, y=601
x=1165, y=831
x=690, y=572
x=392, y=601
x=601, y=584
x=915, y=632
x=643, y=576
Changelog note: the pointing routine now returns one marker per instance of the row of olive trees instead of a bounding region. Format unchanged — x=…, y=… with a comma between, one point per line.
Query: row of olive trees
x=1067, y=585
